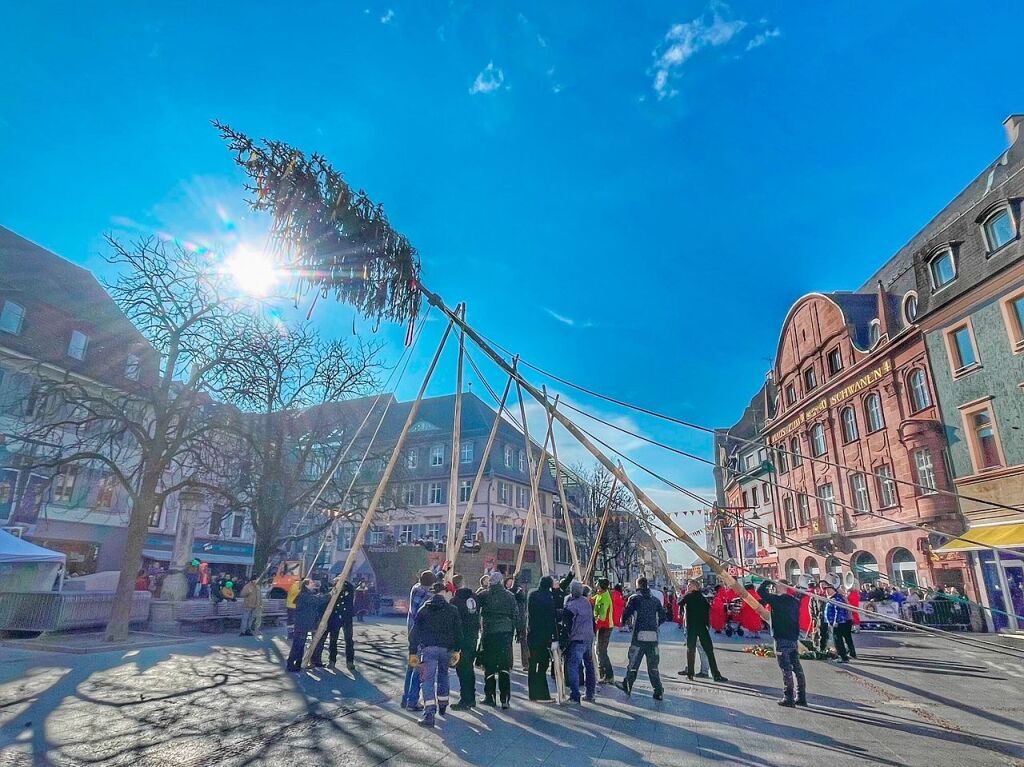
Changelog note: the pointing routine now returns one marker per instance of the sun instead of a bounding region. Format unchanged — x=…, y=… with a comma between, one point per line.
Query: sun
x=252, y=271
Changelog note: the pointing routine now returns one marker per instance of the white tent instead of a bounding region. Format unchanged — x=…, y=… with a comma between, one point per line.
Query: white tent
x=27, y=567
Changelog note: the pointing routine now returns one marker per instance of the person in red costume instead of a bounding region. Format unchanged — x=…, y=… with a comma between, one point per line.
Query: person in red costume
x=749, y=619
x=853, y=597
x=618, y=605
x=805, y=614
x=718, y=608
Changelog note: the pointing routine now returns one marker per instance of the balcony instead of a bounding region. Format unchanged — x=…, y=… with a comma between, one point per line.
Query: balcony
x=825, y=535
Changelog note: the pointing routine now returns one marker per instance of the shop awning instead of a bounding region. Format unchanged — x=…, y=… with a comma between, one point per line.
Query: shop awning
x=1006, y=536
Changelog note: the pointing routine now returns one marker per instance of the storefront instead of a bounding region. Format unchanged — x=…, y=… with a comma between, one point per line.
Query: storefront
x=1001, y=577
x=234, y=557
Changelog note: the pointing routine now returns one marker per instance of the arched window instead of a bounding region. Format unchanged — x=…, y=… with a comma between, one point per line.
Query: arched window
x=792, y=571
x=874, y=332
x=794, y=450
x=999, y=229
x=942, y=268
x=904, y=568
x=811, y=568
x=873, y=408
x=919, y=398
x=910, y=308
x=849, y=419
x=865, y=568
x=818, y=440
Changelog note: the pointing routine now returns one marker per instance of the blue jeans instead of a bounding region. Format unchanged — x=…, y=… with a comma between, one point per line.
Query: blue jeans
x=581, y=652
x=411, y=696
x=434, y=668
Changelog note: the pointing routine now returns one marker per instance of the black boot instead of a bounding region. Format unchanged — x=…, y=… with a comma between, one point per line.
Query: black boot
x=490, y=683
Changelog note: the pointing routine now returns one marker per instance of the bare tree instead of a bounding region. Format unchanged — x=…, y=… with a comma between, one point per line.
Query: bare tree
x=296, y=458
x=148, y=435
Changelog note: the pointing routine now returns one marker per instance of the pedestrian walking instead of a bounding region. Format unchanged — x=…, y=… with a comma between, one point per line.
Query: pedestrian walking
x=499, y=616
x=437, y=635
x=604, y=610
x=785, y=610
x=579, y=616
x=698, y=616
x=418, y=595
x=252, y=603
x=309, y=608
x=838, y=617
x=647, y=614
x=469, y=617
x=542, y=632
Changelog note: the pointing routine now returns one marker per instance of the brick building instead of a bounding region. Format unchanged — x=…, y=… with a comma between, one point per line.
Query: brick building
x=851, y=413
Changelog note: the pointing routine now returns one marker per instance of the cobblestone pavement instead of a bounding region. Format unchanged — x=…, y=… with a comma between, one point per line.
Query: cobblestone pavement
x=225, y=700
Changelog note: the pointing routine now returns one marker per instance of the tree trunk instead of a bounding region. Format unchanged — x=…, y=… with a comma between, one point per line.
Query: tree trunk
x=138, y=527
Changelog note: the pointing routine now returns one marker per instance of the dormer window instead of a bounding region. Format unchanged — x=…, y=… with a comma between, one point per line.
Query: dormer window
x=790, y=395
x=942, y=269
x=874, y=332
x=810, y=379
x=835, y=361
x=78, y=345
x=131, y=367
x=910, y=308
x=999, y=229
x=12, y=316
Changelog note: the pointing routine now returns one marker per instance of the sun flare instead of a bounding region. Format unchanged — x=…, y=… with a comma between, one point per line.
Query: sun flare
x=252, y=271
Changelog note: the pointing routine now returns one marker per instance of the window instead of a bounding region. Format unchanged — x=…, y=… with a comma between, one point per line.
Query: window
x=765, y=497
x=942, y=269
x=216, y=520
x=377, y=537
x=411, y=495
x=522, y=497
x=919, y=398
x=910, y=308
x=746, y=501
x=873, y=408
x=105, y=493
x=562, y=551
x=810, y=379
x=1013, y=315
x=849, y=423
x=64, y=484
x=465, y=486
x=794, y=449
x=131, y=367
x=508, y=456
x=999, y=229
x=835, y=361
x=859, y=491
x=790, y=395
x=156, y=516
x=12, y=316
x=750, y=461
x=818, y=440
x=506, y=533
x=960, y=343
x=986, y=451
x=874, y=332
x=925, y=472
x=790, y=514
x=435, y=493
x=504, y=493
x=237, y=521
x=78, y=344
x=886, y=486
x=753, y=496
x=782, y=460
x=804, y=508
x=522, y=460
x=826, y=506
x=412, y=458
x=437, y=455
x=466, y=452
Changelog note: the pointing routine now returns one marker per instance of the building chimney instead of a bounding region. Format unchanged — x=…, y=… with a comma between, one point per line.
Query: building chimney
x=1012, y=125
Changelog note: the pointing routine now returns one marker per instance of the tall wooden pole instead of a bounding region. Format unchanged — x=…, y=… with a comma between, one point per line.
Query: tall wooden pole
x=566, y=516
x=364, y=526
x=533, y=511
x=480, y=474
x=604, y=460
x=453, y=481
x=600, y=530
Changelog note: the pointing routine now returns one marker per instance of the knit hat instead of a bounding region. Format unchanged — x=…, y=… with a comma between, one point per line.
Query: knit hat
x=576, y=589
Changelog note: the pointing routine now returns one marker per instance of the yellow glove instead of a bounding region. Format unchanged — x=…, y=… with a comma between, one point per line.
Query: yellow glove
x=456, y=657
x=414, y=660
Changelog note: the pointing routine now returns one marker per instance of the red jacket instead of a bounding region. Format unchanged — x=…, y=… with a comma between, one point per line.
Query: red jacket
x=805, y=614
x=618, y=605
x=750, y=620
x=718, y=607
x=854, y=599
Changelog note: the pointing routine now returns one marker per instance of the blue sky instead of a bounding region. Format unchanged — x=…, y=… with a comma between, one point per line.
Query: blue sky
x=629, y=194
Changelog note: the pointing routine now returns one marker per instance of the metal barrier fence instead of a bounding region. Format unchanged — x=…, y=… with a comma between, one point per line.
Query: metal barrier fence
x=945, y=614
x=51, y=611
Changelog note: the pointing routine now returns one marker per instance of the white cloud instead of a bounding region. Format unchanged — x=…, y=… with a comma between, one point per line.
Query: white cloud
x=490, y=79
x=387, y=17
x=569, y=321
x=712, y=29
x=763, y=37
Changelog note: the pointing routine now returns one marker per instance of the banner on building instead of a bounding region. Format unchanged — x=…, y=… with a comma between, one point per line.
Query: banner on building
x=8, y=483
x=729, y=539
x=749, y=548
x=27, y=510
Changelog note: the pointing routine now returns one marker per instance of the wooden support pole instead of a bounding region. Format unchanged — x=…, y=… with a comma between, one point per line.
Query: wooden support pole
x=364, y=526
x=480, y=474
x=453, y=481
x=566, y=516
x=533, y=510
x=600, y=530
x=604, y=460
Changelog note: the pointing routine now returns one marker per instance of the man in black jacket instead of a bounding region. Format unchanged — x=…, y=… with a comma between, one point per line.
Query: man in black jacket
x=437, y=636
x=698, y=612
x=309, y=608
x=339, y=622
x=543, y=631
x=785, y=607
x=469, y=617
x=499, y=615
x=648, y=613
